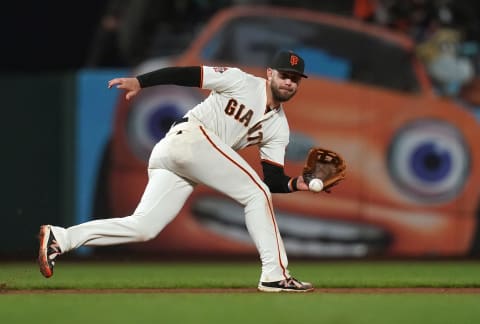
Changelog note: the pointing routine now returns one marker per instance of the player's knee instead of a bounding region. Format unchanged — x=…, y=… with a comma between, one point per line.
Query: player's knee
x=265, y=191
x=262, y=194
x=146, y=234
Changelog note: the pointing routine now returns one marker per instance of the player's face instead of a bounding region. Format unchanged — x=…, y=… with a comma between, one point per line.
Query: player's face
x=284, y=85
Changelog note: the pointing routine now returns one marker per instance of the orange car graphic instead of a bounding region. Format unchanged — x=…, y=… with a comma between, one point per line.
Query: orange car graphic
x=413, y=163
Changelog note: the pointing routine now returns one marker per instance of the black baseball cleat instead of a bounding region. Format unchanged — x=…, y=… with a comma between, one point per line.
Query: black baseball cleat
x=288, y=285
x=48, y=251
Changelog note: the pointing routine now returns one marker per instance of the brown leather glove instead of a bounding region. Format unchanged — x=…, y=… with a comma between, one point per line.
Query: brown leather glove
x=325, y=165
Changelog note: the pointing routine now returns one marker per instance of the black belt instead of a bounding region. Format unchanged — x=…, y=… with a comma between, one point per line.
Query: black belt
x=183, y=120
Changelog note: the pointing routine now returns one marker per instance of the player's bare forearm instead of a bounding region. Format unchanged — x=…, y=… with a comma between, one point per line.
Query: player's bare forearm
x=130, y=85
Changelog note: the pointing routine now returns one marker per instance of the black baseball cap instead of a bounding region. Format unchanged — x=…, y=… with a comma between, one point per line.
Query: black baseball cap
x=288, y=61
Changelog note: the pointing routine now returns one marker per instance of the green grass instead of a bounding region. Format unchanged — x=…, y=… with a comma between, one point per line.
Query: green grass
x=239, y=307
x=236, y=275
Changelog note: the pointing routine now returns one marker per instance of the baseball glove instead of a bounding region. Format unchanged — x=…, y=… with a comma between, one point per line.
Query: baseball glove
x=325, y=165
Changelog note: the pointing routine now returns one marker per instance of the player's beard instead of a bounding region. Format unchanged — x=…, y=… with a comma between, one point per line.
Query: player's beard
x=277, y=95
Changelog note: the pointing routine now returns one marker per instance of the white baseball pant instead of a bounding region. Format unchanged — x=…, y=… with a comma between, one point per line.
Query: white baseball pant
x=189, y=151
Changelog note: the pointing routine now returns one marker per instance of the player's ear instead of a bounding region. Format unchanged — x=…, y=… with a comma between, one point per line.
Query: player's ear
x=269, y=73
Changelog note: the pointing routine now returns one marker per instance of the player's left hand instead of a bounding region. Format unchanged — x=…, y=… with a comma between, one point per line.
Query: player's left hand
x=301, y=185
x=131, y=85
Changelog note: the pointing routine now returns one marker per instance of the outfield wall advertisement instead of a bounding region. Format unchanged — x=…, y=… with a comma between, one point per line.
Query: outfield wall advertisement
x=411, y=187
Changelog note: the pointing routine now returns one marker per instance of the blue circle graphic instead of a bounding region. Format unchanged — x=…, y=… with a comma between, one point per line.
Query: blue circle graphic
x=431, y=163
x=160, y=120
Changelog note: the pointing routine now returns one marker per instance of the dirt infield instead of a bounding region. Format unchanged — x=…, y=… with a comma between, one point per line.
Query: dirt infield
x=6, y=291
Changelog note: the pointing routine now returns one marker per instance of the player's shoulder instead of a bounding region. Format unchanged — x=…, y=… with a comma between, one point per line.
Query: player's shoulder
x=251, y=79
x=222, y=69
x=236, y=71
x=230, y=70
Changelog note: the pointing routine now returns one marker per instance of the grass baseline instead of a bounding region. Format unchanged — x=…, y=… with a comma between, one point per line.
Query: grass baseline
x=412, y=290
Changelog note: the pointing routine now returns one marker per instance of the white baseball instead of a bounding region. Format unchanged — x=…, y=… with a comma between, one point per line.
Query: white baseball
x=315, y=185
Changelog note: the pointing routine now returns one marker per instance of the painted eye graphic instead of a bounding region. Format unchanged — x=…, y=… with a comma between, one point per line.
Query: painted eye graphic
x=152, y=115
x=429, y=161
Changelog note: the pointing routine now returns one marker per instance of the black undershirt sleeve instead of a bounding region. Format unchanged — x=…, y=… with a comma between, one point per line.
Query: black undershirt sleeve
x=276, y=179
x=189, y=76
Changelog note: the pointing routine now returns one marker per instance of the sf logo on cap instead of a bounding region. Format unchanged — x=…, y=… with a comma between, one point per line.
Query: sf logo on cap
x=293, y=60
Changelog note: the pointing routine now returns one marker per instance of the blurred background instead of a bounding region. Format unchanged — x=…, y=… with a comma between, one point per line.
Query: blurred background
x=394, y=87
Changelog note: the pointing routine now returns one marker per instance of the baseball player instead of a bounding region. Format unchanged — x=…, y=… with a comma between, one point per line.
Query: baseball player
x=241, y=110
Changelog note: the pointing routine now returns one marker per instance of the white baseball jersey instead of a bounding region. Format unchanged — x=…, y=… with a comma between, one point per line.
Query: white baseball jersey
x=236, y=111
x=203, y=150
